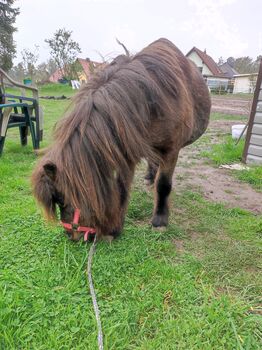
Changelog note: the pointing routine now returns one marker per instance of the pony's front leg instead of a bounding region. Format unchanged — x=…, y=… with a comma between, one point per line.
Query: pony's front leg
x=163, y=186
x=123, y=185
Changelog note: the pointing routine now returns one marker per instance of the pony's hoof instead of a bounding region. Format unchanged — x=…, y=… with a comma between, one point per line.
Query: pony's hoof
x=159, y=221
x=160, y=228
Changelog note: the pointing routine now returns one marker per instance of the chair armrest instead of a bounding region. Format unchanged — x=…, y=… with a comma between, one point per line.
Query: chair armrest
x=31, y=99
x=16, y=83
x=13, y=105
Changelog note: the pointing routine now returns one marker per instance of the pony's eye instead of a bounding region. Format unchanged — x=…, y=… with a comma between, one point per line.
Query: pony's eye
x=58, y=198
x=61, y=204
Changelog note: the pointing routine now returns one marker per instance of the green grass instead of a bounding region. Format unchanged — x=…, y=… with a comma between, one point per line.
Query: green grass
x=223, y=116
x=253, y=176
x=226, y=152
x=51, y=89
x=56, y=90
x=152, y=295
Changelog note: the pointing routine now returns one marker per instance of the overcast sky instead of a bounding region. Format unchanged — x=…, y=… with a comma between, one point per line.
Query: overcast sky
x=222, y=27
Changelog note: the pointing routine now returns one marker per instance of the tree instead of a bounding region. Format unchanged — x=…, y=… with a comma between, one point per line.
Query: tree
x=64, y=51
x=17, y=72
x=244, y=65
x=51, y=66
x=30, y=59
x=44, y=70
x=41, y=72
x=220, y=61
x=7, y=46
x=257, y=63
x=231, y=61
x=252, y=82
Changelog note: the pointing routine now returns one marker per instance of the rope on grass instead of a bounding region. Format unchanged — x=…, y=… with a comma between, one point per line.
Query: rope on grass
x=93, y=295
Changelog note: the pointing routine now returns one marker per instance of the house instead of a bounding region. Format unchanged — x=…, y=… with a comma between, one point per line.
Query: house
x=88, y=68
x=227, y=70
x=245, y=83
x=215, y=78
x=85, y=67
x=57, y=75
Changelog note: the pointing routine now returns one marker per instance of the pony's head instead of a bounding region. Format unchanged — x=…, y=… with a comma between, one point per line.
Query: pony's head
x=60, y=198
x=50, y=196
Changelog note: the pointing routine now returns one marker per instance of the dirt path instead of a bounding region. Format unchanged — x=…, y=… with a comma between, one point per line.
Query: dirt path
x=227, y=105
x=218, y=185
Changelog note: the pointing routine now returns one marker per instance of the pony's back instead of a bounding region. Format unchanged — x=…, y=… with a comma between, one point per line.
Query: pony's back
x=187, y=96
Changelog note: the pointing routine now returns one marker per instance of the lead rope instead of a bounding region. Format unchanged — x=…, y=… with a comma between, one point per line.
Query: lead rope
x=93, y=295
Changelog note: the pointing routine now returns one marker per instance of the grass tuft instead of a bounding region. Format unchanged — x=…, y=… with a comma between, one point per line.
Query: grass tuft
x=253, y=176
x=226, y=152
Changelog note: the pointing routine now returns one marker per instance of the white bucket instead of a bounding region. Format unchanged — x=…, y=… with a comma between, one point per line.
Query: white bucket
x=237, y=130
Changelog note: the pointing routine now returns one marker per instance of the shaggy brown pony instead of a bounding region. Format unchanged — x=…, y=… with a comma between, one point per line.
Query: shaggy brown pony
x=146, y=106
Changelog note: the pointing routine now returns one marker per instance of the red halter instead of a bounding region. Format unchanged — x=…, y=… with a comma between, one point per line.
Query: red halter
x=75, y=226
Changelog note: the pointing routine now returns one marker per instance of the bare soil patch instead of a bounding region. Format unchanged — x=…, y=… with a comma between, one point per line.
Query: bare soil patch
x=179, y=244
x=218, y=185
x=230, y=106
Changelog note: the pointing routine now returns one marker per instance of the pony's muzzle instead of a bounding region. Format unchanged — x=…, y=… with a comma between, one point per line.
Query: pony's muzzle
x=74, y=231
x=73, y=235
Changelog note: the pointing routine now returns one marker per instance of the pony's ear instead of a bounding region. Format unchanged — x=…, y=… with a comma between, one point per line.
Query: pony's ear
x=50, y=170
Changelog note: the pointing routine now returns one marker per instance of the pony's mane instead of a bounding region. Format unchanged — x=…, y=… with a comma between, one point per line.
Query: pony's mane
x=107, y=129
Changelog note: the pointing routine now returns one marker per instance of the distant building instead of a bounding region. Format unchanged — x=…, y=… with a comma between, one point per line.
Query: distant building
x=204, y=62
x=245, y=83
x=227, y=70
x=85, y=67
x=215, y=78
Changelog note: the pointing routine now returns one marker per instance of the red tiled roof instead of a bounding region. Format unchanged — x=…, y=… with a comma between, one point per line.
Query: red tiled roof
x=209, y=62
x=88, y=65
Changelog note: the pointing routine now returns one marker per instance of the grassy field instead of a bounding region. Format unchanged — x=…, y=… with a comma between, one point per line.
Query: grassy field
x=195, y=286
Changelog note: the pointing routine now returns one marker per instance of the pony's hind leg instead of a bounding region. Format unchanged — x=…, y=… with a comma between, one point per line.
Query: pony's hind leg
x=163, y=186
x=150, y=174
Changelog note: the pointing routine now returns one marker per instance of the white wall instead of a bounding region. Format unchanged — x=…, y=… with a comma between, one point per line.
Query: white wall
x=242, y=84
x=197, y=60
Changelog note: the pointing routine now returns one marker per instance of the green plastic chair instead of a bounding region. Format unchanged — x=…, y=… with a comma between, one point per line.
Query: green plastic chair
x=16, y=115
x=21, y=108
